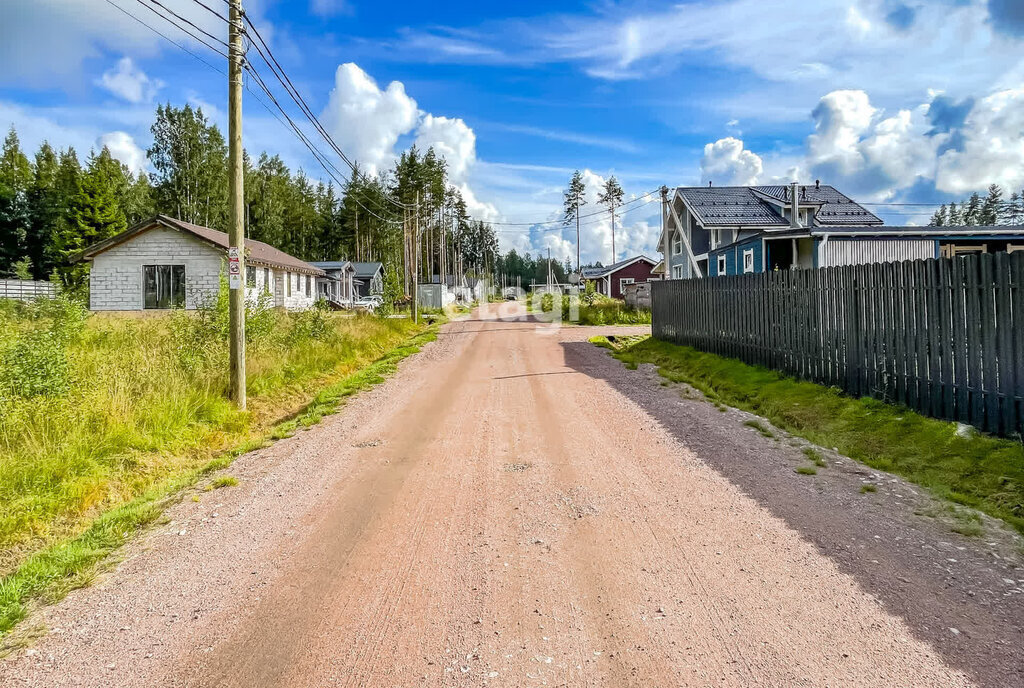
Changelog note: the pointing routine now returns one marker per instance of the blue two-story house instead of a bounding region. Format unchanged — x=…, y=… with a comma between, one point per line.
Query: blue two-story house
x=748, y=229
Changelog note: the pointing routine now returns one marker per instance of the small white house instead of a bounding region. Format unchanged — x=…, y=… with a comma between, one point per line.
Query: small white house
x=164, y=263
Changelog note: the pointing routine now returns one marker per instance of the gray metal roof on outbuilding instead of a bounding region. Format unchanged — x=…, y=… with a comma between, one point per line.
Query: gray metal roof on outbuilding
x=257, y=252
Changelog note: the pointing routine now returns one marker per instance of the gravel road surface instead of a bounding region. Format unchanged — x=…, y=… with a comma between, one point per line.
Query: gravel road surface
x=508, y=510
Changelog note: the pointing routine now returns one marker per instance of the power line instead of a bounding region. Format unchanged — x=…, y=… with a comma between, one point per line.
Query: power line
x=177, y=26
x=190, y=23
x=165, y=36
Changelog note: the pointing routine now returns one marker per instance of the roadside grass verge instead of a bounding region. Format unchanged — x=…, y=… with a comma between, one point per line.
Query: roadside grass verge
x=593, y=309
x=135, y=450
x=979, y=471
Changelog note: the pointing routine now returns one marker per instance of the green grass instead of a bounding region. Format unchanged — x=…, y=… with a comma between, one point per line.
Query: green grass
x=592, y=309
x=980, y=471
x=815, y=457
x=807, y=470
x=760, y=427
x=223, y=481
x=81, y=472
x=864, y=489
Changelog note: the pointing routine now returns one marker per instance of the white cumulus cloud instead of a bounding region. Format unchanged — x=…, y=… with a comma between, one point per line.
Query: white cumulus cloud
x=130, y=83
x=366, y=120
x=992, y=148
x=451, y=139
x=727, y=163
x=123, y=147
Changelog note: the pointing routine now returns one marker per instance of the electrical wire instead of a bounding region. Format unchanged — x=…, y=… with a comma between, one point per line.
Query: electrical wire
x=166, y=37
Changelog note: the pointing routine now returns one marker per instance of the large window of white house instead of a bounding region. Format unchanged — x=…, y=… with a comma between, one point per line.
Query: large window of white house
x=163, y=286
x=748, y=260
x=623, y=281
x=287, y=284
x=721, y=265
x=266, y=280
x=677, y=244
x=250, y=276
x=677, y=272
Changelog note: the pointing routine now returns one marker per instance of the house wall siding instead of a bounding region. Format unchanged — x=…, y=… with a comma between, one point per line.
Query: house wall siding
x=115, y=280
x=640, y=271
x=116, y=276
x=861, y=251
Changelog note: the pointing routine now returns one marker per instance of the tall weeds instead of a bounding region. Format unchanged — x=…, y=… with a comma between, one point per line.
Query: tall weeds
x=96, y=409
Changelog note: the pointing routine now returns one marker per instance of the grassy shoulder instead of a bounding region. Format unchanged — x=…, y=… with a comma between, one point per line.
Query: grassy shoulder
x=975, y=470
x=589, y=309
x=124, y=413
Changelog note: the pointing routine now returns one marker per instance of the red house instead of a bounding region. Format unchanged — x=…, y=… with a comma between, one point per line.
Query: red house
x=612, y=280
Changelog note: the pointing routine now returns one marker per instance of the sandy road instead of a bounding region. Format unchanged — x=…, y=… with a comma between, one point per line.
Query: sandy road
x=490, y=516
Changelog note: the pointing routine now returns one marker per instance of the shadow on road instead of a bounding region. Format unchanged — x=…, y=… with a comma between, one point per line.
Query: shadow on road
x=952, y=591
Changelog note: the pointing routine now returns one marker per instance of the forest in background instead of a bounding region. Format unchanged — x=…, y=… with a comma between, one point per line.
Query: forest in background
x=53, y=205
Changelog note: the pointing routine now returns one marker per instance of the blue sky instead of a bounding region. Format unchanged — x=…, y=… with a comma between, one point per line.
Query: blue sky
x=892, y=101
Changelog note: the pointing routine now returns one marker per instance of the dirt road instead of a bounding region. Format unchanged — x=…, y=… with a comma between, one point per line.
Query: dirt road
x=489, y=516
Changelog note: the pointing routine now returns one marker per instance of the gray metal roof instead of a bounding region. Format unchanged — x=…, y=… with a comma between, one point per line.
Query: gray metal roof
x=257, y=252
x=747, y=206
x=594, y=273
x=367, y=269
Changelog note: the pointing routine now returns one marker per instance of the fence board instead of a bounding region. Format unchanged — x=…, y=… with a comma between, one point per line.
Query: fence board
x=944, y=336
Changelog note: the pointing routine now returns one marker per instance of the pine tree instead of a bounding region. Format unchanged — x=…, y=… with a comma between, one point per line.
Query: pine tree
x=574, y=199
x=938, y=218
x=611, y=198
x=15, y=181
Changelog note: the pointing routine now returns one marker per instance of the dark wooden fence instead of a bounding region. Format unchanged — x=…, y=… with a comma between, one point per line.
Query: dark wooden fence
x=944, y=337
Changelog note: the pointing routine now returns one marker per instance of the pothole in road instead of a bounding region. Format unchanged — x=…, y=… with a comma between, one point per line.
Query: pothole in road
x=367, y=444
x=516, y=467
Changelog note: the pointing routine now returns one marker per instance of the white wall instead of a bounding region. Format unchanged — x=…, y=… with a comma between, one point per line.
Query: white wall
x=863, y=251
x=115, y=280
x=276, y=282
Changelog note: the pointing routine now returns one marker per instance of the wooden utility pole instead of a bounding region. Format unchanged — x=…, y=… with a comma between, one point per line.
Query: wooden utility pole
x=612, y=209
x=236, y=233
x=416, y=263
x=664, y=229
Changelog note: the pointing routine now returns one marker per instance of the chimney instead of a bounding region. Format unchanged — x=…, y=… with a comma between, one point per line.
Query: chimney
x=794, y=206
x=709, y=183
x=817, y=183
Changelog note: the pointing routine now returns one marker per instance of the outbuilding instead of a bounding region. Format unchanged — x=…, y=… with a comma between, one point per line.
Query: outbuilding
x=613, y=279
x=164, y=263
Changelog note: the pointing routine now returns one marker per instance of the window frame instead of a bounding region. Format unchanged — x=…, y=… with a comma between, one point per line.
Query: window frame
x=748, y=253
x=266, y=281
x=624, y=282
x=287, y=284
x=250, y=276
x=721, y=265
x=677, y=272
x=176, y=282
x=677, y=244
x=309, y=286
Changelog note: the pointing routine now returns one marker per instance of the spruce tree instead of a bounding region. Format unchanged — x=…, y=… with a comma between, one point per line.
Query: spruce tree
x=45, y=210
x=992, y=207
x=96, y=214
x=15, y=181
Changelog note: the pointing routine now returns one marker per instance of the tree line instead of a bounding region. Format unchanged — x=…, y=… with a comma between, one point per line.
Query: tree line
x=52, y=206
x=991, y=210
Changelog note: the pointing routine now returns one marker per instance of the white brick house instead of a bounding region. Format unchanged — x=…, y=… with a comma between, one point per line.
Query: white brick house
x=166, y=263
